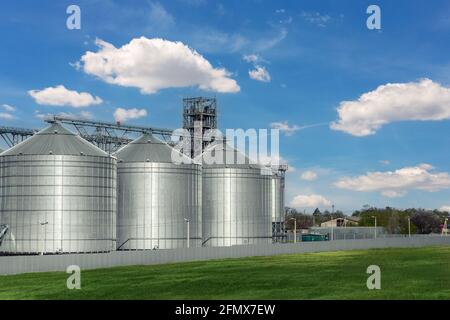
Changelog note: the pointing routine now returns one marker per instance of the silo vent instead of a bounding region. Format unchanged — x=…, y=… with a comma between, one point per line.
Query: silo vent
x=50, y=152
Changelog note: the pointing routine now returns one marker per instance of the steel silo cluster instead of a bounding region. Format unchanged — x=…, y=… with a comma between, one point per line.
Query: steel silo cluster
x=61, y=194
x=237, y=202
x=158, y=200
x=58, y=195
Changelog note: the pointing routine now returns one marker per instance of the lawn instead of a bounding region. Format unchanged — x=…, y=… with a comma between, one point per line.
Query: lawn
x=414, y=273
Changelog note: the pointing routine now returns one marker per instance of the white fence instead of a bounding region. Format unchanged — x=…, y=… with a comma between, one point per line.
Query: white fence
x=28, y=264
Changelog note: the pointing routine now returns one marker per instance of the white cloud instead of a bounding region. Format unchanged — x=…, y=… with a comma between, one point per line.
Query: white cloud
x=393, y=193
x=250, y=57
x=159, y=17
x=309, y=201
x=211, y=40
x=445, y=208
x=122, y=115
x=316, y=18
x=194, y=2
x=397, y=183
x=155, y=64
x=215, y=41
x=220, y=9
x=308, y=175
x=6, y=116
x=414, y=101
x=260, y=74
x=76, y=65
x=270, y=42
x=60, y=96
x=287, y=20
x=384, y=162
x=86, y=115
x=285, y=128
x=83, y=115
x=8, y=107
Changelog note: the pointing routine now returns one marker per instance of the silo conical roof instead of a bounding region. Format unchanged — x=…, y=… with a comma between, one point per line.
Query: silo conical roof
x=147, y=148
x=226, y=156
x=56, y=140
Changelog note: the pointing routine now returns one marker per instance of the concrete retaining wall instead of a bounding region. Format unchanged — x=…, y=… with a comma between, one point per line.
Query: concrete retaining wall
x=28, y=264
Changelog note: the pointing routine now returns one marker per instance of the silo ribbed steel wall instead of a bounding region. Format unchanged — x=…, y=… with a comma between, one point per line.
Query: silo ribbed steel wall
x=277, y=199
x=58, y=203
x=153, y=201
x=237, y=205
x=277, y=194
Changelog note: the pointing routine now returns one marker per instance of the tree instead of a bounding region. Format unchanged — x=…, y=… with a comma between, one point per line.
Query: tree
x=396, y=221
x=304, y=221
x=426, y=222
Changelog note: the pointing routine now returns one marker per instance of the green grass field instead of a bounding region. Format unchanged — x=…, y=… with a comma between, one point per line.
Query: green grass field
x=418, y=273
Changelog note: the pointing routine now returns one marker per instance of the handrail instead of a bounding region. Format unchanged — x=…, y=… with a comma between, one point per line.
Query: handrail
x=3, y=231
x=204, y=242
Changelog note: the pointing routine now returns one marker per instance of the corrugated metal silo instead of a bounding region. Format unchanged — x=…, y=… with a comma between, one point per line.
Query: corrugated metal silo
x=58, y=195
x=237, y=199
x=155, y=196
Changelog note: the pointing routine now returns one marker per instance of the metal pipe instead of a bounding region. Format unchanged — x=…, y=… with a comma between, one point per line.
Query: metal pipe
x=187, y=221
x=409, y=226
x=375, y=230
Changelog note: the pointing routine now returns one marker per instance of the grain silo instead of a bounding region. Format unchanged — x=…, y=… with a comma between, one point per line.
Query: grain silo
x=158, y=200
x=237, y=198
x=58, y=195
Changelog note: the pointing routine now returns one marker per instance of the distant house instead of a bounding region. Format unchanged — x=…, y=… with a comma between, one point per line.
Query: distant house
x=341, y=222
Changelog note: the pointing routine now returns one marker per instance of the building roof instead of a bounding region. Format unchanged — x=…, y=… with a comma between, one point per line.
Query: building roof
x=56, y=140
x=351, y=219
x=147, y=148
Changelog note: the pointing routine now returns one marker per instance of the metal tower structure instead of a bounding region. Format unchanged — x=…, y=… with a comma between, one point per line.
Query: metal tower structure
x=199, y=116
x=107, y=135
x=13, y=136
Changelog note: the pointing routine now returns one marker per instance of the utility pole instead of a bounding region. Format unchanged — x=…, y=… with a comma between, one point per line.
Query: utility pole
x=375, y=229
x=444, y=228
x=332, y=229
x=409, y=226
x=295, y=229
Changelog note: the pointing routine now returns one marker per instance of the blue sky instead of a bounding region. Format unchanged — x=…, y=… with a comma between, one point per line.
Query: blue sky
x=318, y=54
